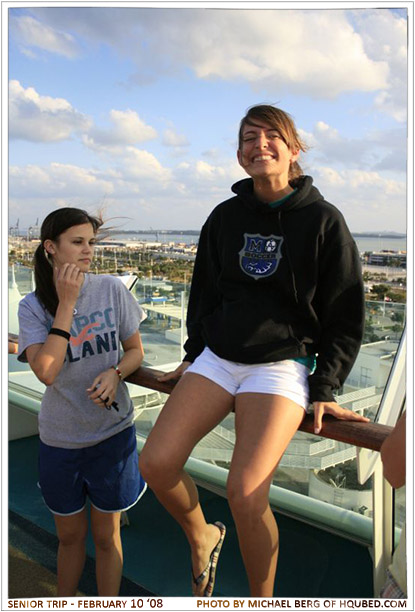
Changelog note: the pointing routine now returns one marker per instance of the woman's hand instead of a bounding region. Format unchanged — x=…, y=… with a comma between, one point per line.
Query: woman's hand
x=177, y=373
x=68, y=282
x=104, y=388
x=322, y=408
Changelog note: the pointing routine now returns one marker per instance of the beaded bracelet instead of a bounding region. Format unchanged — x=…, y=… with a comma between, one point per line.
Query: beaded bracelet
x=117, y=369
x=60, y=332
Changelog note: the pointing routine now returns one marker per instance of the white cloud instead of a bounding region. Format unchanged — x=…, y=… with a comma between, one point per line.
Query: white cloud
x=28, y=52
x=127, y=128
x=207, y=171
x=30, y=32
x=41, y=118
x=136, y=172
x=135, y=185
x=372, y=151
x=213, y=153
x=207, y=184
x=57, y=180
x=172, y=139
x=331, y=177
x=360, y=179
x=384, y=37
x=144, y=165
x=131, y=163
x=368, y=200
x=312, y=52
x=140, y=188
x=393, y=104
x=183, y=166
x=319, y=53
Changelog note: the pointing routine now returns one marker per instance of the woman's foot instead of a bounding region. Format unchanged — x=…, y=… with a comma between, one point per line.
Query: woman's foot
x=201, y=558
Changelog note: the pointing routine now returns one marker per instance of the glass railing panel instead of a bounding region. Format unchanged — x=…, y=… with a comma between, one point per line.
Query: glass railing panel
x=312, y=466
x=400, y=507
x=162, y=332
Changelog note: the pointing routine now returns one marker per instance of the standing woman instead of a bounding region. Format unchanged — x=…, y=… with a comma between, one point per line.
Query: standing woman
x=275, y=321
x=70, y=332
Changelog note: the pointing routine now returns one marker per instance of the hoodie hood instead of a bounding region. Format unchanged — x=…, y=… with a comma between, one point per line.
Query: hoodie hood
x=306, y=194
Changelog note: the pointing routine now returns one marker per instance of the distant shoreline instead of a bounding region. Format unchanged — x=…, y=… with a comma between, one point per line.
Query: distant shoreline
x=378, y=235
x=156, y=231
x=197, y=232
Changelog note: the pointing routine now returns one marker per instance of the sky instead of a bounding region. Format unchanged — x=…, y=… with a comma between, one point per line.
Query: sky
x=136, y=109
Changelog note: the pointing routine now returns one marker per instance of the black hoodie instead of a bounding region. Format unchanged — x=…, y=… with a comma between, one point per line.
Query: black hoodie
x=278, y=283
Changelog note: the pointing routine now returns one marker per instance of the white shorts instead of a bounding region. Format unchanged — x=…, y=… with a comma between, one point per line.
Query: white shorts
x=288, y=378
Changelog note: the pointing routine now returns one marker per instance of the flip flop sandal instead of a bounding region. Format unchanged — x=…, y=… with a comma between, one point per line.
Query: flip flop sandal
x=212, y=565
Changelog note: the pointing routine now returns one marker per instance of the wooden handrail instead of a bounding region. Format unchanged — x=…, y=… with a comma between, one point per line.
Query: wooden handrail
x=365, y=435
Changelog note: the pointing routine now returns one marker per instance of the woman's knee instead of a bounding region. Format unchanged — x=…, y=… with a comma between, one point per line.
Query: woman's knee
x=106, y=539
x=247, y=503
x=72, y=536
x=105, y=530
x=157, y=469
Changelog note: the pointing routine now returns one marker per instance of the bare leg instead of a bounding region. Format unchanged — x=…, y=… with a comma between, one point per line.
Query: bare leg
x=108, y=551
x=71, y=531
x=195, y=407
x=264, y=426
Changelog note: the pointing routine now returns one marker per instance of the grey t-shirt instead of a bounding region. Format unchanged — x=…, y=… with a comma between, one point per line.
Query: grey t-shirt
x=105, y=314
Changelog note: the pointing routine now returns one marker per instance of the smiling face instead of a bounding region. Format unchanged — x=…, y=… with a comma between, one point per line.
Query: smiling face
x=74, y=246
x=264, y=154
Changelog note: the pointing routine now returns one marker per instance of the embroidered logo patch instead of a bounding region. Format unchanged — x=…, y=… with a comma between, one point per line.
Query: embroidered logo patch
x=260, y=255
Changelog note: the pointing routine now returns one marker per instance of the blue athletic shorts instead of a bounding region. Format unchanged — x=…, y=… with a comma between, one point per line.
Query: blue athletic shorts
x=107, y=473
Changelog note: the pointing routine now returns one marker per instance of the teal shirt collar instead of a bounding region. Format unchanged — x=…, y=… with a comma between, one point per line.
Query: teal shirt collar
x=282, y=200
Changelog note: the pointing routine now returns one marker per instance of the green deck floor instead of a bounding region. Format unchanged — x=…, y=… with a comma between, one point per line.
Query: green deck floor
x=312, y=563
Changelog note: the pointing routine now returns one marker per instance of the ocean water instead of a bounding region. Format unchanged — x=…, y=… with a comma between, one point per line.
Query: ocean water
x=379, y=243
x=364, y=243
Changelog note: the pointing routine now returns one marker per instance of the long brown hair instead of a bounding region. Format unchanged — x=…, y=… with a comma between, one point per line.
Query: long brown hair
x=55, y=224
x=283, y=123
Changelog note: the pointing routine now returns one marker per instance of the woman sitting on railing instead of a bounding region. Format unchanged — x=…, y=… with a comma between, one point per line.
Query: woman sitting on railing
x=276, y=282
x=70, y=332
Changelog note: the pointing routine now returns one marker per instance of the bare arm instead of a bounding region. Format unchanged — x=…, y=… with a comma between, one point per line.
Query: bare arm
x=108, y=380
x=13, y=347
x=392, y=453
x=133, y=354
x=46, y=360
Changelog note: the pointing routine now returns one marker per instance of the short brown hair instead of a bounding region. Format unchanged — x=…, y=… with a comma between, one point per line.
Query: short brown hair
x=283, y=123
